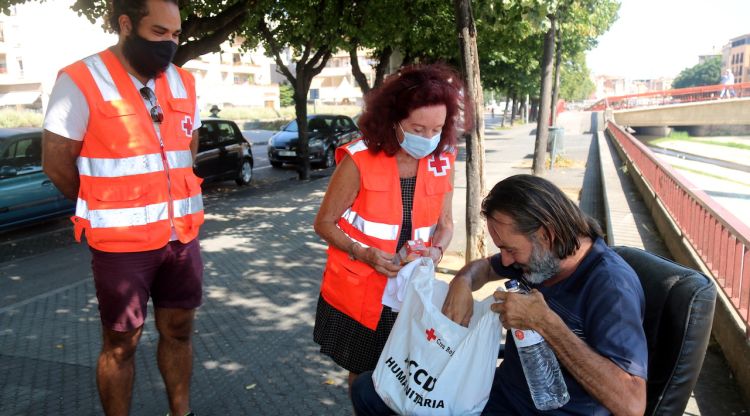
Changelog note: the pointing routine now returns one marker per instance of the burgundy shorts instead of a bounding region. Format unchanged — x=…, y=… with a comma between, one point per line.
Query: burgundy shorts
x=172, y=276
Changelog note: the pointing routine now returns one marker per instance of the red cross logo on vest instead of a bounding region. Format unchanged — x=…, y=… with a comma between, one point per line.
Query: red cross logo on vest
x=439, y=166
x=187, y=126
x=430, y=334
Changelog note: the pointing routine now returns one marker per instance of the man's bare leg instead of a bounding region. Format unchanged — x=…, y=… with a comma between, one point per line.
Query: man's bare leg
x=115, y=370
x=175, y=355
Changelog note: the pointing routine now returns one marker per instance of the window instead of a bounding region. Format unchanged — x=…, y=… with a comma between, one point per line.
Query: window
x=236, y=59
x=25, y=155
x=242, y=79
x=344, y=124
x=226, y=134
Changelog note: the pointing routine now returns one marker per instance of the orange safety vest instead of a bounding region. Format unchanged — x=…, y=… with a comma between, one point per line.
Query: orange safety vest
x=374, y=220
x=134, y=186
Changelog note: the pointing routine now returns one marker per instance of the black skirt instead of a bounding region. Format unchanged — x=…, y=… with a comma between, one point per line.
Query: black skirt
x=350, y=344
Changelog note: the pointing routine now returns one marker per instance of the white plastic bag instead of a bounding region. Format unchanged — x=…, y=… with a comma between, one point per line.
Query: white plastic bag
x=430, y=365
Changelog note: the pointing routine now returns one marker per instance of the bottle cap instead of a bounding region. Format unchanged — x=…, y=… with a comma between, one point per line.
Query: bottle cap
x=511, y=284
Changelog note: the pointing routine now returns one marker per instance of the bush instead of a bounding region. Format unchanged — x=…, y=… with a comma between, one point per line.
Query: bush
x=20, y=118
x=271, y=119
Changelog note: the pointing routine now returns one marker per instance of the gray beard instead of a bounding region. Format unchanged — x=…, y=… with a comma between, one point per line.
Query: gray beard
x=542, y=265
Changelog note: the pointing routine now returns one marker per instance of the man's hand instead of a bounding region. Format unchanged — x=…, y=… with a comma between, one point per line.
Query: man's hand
x=521, y=311
x=459, y=304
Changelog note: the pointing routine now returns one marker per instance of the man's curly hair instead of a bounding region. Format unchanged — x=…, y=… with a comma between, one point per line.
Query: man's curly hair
x=134, y=9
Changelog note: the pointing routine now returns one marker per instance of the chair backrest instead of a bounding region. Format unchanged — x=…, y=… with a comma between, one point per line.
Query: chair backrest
x=679, y=313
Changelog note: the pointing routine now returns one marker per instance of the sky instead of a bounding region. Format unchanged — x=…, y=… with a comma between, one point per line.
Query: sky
x=660, y=38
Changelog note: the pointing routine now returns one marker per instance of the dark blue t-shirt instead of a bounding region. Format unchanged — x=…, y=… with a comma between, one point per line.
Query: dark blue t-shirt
x=602, y=302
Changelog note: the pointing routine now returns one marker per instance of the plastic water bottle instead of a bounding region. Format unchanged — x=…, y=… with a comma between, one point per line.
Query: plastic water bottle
x=543, y=375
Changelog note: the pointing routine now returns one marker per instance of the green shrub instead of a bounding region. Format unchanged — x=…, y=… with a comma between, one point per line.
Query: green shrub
x=20, y=118
x=272, y=119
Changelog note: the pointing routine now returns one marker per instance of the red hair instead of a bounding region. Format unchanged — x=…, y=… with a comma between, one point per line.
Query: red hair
x=412, y=87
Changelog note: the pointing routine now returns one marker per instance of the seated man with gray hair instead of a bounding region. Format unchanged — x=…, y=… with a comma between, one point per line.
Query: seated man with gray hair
x=585, y=301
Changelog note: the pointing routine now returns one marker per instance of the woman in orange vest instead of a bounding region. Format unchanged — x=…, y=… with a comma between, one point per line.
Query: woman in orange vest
x=392, y=186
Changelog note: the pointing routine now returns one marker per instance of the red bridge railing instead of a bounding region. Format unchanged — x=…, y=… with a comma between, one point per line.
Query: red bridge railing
x=668, y=97
x=721, y=240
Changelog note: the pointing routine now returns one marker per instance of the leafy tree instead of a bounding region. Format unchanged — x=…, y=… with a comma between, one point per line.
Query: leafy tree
x=580, y=22
x=705, y=73
x=387, y=26
x=312, y=31
x=575, y=80
x=286, y=94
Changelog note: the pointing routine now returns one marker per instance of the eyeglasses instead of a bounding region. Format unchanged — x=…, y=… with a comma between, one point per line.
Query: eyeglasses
x=157, y=116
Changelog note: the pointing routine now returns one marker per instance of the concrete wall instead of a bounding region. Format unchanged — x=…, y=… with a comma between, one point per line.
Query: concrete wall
x=720, y=112
x=728, y=328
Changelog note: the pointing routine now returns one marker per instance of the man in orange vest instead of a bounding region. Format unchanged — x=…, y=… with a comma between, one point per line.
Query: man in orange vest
x=120, y=137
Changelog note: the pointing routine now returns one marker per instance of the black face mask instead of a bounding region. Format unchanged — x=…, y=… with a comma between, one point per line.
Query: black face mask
x=149, y=58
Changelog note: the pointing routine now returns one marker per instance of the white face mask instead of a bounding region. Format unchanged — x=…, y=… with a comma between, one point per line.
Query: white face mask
x=417, y=146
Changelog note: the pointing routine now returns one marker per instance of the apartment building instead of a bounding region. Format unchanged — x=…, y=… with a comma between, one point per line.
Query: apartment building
x=336, y=85
x=234, y=78
x=736, y=57
x=38, y=39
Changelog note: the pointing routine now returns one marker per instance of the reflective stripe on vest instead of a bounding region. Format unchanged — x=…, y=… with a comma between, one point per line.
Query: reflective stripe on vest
x=128, y=217
x=135, y=165
x=357, y=147
x=102, y=77
x=425, y=233
x=175, y=82
x=373, y=229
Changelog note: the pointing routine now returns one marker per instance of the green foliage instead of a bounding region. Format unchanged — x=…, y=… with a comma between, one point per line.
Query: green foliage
x=575, y=80
x=511, y=37
x=286, y=95
x=20, y=118
x=706, y=73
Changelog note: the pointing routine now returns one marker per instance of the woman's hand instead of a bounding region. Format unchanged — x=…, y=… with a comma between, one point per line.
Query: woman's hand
x=434, y=253
x=381, y=261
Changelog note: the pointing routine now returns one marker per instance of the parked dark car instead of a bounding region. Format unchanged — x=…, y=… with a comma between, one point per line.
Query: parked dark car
x=26, y=194
x=325, y=131
x=223, y=153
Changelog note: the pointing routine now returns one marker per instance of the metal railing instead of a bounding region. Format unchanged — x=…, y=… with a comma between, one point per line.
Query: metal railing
x=669, y=97
x=721, y=240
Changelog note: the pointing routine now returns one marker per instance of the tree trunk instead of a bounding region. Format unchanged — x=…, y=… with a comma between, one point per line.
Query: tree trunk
x=384, y=59
x=526, y=109
x=545, y=96
x=467, y=36
x=300, y=108
x=505, y=112
x=307, y=67
x=359, y=76
x=556, y=89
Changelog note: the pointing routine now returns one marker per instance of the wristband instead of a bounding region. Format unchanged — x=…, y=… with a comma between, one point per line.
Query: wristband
x=439, y=247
